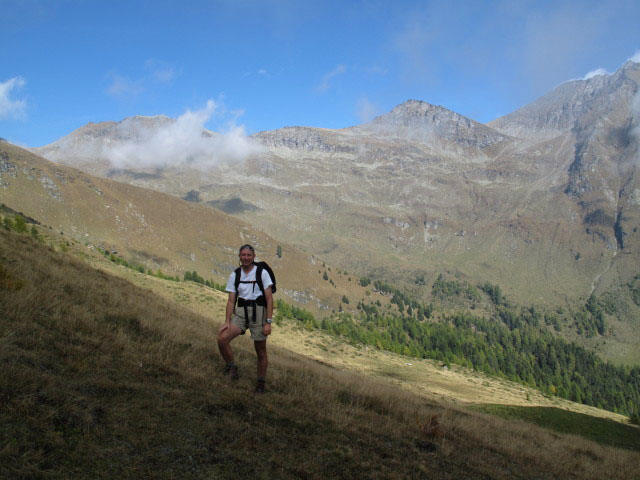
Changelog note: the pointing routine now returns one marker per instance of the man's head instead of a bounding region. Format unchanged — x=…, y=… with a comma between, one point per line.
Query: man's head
x=247, y=255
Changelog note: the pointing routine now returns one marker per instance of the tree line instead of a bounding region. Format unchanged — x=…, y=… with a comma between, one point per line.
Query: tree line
x=513, y=345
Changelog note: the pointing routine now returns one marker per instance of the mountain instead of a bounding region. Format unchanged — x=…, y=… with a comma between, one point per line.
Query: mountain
x=543, y=201
x=573, y=103
x=415, y=120
x=158, y=231
x=602, y=115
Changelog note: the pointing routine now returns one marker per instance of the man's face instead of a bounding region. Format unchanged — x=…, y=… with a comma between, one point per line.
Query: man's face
x=247, y=257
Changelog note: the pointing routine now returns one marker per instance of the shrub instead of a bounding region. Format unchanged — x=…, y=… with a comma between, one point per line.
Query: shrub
x=20, y=224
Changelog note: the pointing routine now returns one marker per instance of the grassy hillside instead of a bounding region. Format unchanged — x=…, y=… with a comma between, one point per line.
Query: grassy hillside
x=103, y=379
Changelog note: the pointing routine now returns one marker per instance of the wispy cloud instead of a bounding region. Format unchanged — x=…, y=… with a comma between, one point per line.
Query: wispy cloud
x=555, y=40
x=540, y=44
x=260, y=73
x=366, y=110
x=376, y=70
x=183, y=141
x=122, y=86
x=594, y=73
x=10, y=107
x=161, y=71
x=325, y=82
x=156, y=73
x=415, y=44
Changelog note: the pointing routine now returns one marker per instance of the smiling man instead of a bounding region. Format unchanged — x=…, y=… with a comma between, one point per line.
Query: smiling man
x=249, y=306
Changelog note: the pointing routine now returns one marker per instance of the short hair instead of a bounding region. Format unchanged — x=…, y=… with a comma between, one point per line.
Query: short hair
x=250, y=247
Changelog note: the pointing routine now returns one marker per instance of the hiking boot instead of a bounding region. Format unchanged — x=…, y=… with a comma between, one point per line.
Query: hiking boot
x=260, y=387
x=232, y=372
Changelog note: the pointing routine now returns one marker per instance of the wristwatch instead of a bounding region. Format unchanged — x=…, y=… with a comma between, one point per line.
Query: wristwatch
x=268, y=320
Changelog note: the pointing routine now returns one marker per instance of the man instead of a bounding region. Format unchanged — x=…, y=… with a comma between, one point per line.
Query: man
x=253, y=310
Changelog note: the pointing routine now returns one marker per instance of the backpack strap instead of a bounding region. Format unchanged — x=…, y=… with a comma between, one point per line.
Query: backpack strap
x=259, y=270
x=236, y=282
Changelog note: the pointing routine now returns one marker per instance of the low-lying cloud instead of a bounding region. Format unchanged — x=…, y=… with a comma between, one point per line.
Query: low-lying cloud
x=10, y=107
x=183, y=142
x=366, y=110
x=159, y=142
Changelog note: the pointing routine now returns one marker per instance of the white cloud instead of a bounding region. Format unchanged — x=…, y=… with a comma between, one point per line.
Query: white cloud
x=9, y=107
x=325, y=83
x=366, y=110
x=593, y=73
x=635, y=57
x=182, y=142
x=160, y=71
x=123, y=86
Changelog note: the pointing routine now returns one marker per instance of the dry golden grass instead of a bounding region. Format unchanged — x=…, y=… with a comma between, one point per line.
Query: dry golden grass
x=455, y=384
x=102, y=379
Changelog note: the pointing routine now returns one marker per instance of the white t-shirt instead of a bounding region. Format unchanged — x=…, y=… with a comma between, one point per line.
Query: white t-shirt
x=248, y=291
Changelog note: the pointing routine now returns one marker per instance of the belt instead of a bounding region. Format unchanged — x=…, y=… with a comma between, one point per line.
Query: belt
x=243, y=302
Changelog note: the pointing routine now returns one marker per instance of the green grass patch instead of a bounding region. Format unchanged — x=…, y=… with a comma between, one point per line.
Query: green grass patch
x=601, y=430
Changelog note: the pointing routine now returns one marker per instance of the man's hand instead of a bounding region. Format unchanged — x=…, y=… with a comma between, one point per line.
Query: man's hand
x=266, y=329
x=225, y=326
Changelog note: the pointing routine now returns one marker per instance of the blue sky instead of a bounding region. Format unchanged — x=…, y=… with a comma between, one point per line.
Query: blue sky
x=268, y=64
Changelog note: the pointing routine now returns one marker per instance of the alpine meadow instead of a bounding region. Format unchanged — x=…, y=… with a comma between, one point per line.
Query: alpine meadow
x=457, y=297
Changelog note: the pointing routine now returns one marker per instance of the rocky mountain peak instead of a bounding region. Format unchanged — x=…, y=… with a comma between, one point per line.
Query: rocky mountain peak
x=417, y=113
x=426, y=123
x=560, y=110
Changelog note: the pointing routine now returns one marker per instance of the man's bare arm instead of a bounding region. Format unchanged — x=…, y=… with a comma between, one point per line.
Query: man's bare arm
x=269, y=298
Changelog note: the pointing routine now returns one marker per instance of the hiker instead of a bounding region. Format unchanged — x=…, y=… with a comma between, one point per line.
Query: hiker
x=250, y=305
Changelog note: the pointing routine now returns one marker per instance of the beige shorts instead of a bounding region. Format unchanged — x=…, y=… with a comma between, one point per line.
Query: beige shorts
x=239, y=321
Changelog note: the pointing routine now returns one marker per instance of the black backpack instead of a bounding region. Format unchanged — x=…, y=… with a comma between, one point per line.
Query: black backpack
x=261, y=266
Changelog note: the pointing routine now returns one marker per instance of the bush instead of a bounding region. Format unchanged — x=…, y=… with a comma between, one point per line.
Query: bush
x=20, y=224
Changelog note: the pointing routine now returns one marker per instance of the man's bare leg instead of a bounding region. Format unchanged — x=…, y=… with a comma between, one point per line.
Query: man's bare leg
x=261, y=351
x=225, y=335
